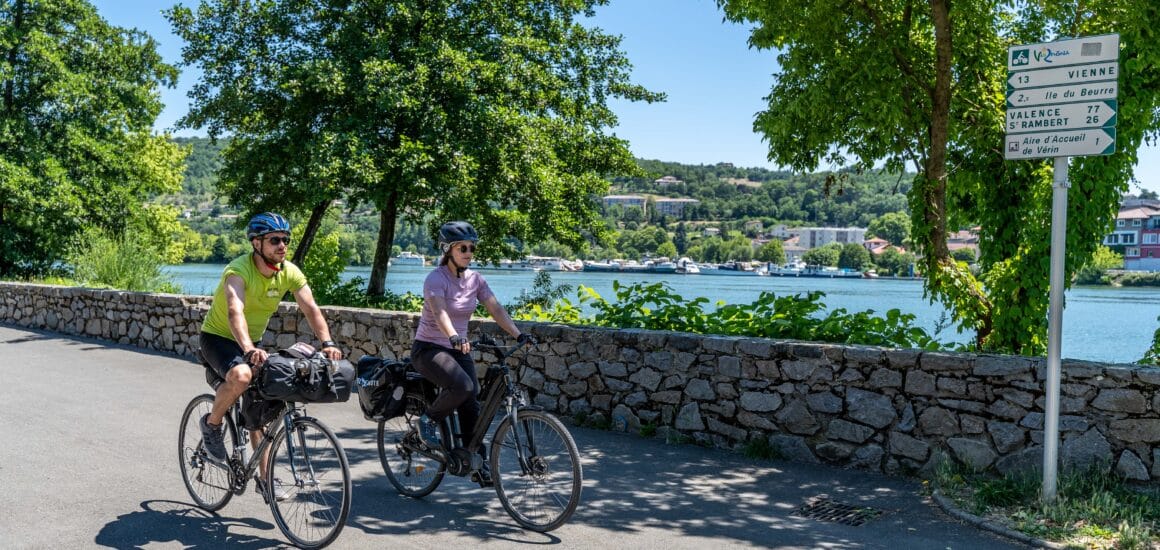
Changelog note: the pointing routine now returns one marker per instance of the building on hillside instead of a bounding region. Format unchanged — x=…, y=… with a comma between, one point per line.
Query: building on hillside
x=1137, y=233
x=667, y=181
x=813, y=237
x=780, y=231
x=793, y=250
x=875, y=245
x=672, y=207
x=965, y=239
x=626, y=201
x=753, y=225
x=710, y=232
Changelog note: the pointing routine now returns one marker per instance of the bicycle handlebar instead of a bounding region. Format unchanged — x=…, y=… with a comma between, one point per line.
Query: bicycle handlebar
x=487, y=341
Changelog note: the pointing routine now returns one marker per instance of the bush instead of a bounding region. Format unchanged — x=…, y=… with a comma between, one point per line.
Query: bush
x=126, y=263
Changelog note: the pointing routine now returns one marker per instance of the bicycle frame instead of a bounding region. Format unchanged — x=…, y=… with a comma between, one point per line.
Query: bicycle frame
x=500, y=392
x=244, y=470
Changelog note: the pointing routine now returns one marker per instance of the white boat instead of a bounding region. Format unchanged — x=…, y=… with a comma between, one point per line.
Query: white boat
x=409, y=258
x=547, y=263
x=730, y=268
x=688, y=267
x=794, y=269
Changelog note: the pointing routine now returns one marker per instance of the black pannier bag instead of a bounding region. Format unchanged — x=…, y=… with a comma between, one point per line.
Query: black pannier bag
x=292, y=375
x=381, y=386
x=257, y=412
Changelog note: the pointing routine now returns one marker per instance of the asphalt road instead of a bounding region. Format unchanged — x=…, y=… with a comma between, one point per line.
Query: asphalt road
x=88, y=459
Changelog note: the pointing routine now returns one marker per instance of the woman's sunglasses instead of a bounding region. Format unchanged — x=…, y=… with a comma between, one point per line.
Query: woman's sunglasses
x=465, y=248
x=278, y=240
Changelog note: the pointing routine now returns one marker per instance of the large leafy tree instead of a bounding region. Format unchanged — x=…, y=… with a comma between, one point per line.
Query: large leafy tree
x=492, y=111
x=921, y=85
x=78, y=99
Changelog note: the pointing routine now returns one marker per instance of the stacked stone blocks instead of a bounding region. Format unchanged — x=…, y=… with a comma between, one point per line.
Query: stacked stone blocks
x=895, y=411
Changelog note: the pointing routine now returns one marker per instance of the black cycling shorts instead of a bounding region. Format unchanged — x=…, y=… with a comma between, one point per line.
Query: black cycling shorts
x=222, y=354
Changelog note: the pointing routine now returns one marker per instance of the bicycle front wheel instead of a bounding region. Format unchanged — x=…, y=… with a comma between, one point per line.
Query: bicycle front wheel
x=536, y=469
x=208, y=484
x=309, y=481
x=412, y=473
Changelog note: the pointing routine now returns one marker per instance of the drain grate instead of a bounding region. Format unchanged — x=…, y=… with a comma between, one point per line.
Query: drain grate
x=824, y=509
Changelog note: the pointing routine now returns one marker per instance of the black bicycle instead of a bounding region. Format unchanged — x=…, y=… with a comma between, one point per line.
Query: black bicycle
x=307, y=468
x=535, y=465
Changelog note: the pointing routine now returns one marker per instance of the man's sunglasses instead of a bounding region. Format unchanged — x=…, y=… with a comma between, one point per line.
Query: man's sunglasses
x=278, y=240
x=465, y=248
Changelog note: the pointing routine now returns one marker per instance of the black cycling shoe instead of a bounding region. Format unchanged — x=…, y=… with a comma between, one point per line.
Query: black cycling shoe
x=482, y=476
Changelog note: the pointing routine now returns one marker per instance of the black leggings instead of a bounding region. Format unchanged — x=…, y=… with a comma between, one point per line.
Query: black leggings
x=454, y=373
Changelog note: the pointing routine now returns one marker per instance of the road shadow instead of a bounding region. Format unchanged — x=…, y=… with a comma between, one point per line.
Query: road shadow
x=186, y=524
x=634, y=485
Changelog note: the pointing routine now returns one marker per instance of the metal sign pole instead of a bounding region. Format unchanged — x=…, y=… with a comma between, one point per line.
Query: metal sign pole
x=1055, y=328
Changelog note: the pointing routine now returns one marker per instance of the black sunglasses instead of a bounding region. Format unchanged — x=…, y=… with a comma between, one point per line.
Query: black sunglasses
x=278, y=240
x=465, y=248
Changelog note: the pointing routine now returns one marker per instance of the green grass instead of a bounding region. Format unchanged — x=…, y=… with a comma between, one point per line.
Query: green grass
x=1092, y=509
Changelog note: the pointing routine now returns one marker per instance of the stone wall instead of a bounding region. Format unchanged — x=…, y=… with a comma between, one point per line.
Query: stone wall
x=896, y=411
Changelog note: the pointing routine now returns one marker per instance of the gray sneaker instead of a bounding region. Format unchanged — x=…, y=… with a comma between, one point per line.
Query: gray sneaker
x=428, y=432
x=281, y=490
x=214, y=443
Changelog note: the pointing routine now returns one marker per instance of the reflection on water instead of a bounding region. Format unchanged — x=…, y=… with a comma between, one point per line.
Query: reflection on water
x=1099, y=323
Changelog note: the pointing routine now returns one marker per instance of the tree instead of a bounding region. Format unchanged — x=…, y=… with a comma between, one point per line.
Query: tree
x=424, y=110
x=772, y=252
x=964, y=255
x=893, y=262
x=854, y=256
x=894, y=227
x=823, y=255
x=78, y=98
x=929, y=93
x=681, y=238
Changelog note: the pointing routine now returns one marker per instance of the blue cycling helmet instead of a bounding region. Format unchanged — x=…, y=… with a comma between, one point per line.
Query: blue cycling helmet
x=266, y=222
x=453, y=232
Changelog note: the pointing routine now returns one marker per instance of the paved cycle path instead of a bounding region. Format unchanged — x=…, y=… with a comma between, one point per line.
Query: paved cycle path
x=88, y=447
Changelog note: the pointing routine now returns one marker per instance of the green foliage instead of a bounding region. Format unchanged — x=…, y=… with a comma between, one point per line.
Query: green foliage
x=656, y=307
x=648, y=429
x=892, y=226
x=893, y=262
x=77, y=152
x=543, y=294
x=1103, y=259
x=1092, y=508
x=418, y=110
x=128, y=262
x=854, y=256
x=353, y=294
x=964, y=255
x=324, y=266
x=931, y=96
x=827, y=255
x=772, y=252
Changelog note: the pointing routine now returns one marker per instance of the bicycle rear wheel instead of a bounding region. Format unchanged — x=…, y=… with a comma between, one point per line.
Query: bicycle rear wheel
x=208, y=484
x=536, y=469
x=309, y=462
x=412, y=473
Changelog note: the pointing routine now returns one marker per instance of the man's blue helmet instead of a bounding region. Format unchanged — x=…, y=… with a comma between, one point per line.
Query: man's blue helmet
x=266, y=222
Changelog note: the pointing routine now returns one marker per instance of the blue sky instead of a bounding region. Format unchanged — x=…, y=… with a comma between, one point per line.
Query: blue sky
x=714, y=81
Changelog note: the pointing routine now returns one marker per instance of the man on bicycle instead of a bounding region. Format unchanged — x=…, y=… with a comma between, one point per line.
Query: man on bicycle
x=440, y=352
x=250, y=290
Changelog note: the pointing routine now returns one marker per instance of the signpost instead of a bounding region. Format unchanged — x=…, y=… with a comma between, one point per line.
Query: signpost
x=1061, y=102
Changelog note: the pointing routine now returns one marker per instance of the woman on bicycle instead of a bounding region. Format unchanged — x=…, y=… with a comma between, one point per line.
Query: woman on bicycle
x=441, y=352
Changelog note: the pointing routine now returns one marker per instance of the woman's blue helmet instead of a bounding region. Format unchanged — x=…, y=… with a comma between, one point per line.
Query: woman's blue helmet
x=453, y=232
x=266, y=222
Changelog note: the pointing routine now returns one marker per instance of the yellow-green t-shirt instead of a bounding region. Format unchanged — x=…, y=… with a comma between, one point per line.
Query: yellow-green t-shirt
x=261, y=298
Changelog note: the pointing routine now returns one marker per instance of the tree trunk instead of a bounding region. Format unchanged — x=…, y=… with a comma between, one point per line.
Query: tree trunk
x=377, y=286
x=308, y=234
x=936, y=160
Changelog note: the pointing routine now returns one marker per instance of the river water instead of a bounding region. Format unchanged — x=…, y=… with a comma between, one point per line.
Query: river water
x=1099, y=323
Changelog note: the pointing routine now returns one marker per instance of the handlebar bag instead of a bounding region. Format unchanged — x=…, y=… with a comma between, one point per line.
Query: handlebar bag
x=309, y=379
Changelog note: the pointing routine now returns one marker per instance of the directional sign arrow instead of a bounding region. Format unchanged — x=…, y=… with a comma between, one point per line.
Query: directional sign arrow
x=1064, y=75
x=1090, y=91
x=1066, y=143
x=1066, y=116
